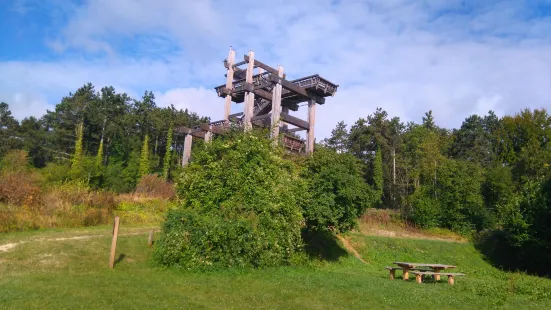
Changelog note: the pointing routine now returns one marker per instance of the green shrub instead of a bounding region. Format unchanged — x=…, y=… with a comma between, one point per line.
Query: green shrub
x=241, y=207
x=425, y=211
x=338, y=194
x=15, y=161
x=56, y=173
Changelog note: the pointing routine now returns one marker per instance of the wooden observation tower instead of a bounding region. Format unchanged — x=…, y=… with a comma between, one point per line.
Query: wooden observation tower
x=267, y=97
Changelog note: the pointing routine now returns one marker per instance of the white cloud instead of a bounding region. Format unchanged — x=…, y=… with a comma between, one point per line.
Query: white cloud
x=26, y=104
x=405, y=56
x=203, y=101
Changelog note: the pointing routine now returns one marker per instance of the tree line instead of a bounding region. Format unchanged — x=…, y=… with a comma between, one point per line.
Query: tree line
x=104, y=138
x=492, y=174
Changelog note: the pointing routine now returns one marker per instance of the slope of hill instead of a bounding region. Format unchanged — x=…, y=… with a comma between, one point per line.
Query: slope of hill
x=56, y=270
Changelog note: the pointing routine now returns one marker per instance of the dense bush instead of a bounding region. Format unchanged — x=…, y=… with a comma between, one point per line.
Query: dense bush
x=458, y=191
x=498, y=190
x=527, y=229
x=241, y=206
x=425, y=210
x=454, y=201
x=337, y=191
x=19, y=185
x=20, y=188
x=155, y=186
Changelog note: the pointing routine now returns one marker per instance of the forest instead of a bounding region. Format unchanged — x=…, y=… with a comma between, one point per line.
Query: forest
x=490, y=179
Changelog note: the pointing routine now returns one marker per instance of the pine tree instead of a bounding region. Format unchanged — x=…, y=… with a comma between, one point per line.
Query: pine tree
x=144, y=158
x=378, y=176
x=77, y=161
x=168, y=153
x=99, y=156
x=428, y=121
x=338, y=139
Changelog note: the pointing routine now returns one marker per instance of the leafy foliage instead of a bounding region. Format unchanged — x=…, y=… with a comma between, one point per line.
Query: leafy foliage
x=378, y=176
x=241, y=206
x=144, y=157
x=77, y=162
x=168, y=153
x=337, y=190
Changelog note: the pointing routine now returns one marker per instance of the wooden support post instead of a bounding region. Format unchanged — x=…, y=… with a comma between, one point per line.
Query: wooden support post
x=419, y=278
x=208, y=134
x=406, y=273
x=150, y=239
x=436, y=276
x=114, y=243
x=284, y=110
x=276, y=106
x=187, y=150
x=451, y=280
x=229, y=85
x=311, y=124
x=392, y=274
x=249, y=96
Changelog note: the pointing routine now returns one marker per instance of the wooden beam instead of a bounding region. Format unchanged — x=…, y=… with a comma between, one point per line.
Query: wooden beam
x=295, y=121
x=187, y=131
x=235, y=65
x=297, y=89
x=263, y=85
x=261, y=117
x=263, y=66
x=208, y=132
x=294, y=129
x=284, y=110
x=289, y=105
x=219, y=130
x=263, y=94
x=199, y=134
x=311, y=122
x=208, y=128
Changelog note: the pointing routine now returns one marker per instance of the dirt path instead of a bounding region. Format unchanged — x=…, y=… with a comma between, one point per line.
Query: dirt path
x=350, y=248
x=10, y=246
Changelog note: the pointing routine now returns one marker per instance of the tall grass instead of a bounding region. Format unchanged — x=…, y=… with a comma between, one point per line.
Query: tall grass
x=28, y=203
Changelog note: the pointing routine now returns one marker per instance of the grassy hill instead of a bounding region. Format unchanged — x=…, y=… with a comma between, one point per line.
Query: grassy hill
x=68, y=269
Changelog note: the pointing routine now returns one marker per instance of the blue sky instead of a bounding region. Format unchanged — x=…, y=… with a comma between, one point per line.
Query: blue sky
x=455, y=57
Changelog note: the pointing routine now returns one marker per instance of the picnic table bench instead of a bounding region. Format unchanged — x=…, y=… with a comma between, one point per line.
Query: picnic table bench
x=392, y=270
x=419, y=275
x=423, y=269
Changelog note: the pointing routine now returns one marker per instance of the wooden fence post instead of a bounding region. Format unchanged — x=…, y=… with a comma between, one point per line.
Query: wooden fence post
x=114, y=243
x=150, y=239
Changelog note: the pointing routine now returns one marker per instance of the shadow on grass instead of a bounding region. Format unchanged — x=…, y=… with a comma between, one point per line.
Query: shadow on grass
x=322, y=245
x=120, y=259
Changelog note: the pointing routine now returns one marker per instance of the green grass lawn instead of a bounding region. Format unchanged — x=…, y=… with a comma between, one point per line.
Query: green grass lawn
x=58, y=274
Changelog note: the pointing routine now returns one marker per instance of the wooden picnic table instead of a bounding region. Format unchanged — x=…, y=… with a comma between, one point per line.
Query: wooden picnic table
x=436, y=268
